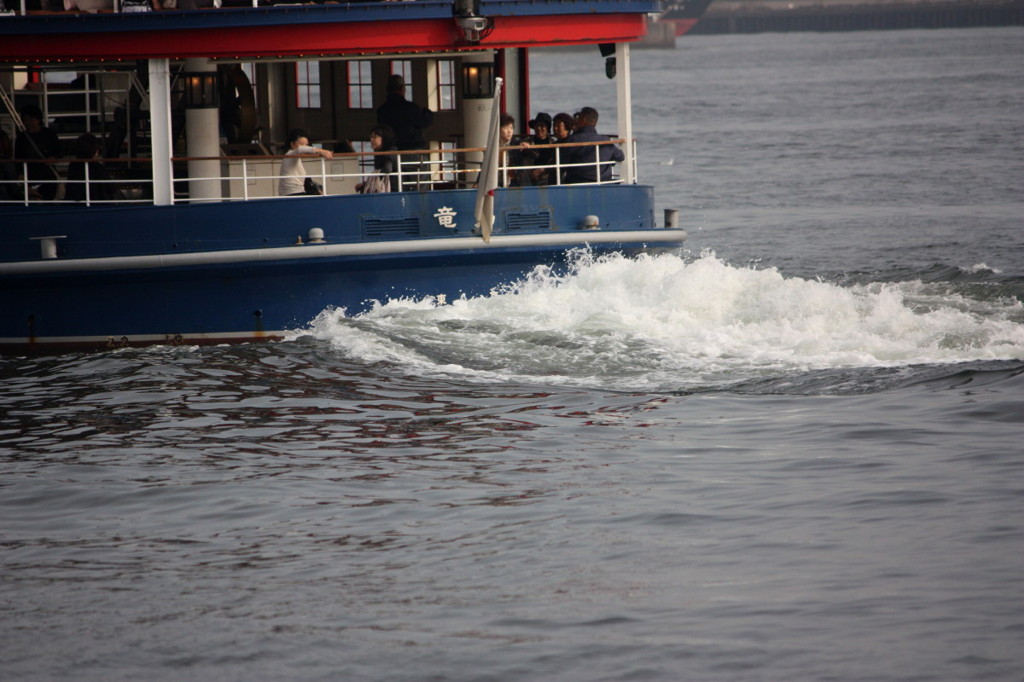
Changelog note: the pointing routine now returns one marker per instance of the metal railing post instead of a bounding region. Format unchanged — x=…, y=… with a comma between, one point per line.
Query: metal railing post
x=245, y=179
x=25, y=185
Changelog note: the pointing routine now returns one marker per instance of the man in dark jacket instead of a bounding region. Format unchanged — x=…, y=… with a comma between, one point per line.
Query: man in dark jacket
x=37, y=141
x=406, y=118
x=587, y=132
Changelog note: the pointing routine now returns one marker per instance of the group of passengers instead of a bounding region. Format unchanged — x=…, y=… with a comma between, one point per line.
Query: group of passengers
x=548, y=165
x=528, y=160
x=44, y=182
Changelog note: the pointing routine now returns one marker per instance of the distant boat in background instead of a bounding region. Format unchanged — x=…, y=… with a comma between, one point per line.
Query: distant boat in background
x=762, y=16
x=683, y=15
x=677, y=19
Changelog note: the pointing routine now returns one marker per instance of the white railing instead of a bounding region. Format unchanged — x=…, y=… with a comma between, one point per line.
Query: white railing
x=243, y=178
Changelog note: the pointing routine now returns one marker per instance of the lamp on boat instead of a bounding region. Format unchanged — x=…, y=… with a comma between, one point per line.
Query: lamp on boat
x=477, y=80
x=201, y=91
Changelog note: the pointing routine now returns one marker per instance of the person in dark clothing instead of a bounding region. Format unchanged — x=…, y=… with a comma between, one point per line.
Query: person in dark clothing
x=540, y=157
x=39, y=142
x=9, y=188
x=382, y=139
x=406, y=118
x=561, y=129
x=87, y=149
x=511, y=158
x=589, y=155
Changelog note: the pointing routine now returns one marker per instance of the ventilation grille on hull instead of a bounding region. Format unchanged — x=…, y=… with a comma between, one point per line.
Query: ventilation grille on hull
x=529, y=221
x=391, y=228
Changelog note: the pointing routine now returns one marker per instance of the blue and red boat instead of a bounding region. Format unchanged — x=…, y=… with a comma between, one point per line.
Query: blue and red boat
x=183, y=239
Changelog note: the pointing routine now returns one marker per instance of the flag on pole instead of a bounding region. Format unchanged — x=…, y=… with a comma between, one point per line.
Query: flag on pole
x=487, y=181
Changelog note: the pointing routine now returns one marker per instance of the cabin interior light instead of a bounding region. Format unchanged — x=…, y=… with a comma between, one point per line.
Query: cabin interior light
x=477, y=80
x=201, y=90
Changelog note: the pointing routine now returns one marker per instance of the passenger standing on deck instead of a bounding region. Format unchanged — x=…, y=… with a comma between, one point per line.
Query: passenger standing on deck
x=510, y=158
x=406, y=118
x=37, y=141
x=87, y=151
x=561, y=129
x=540, y=157
x=588, y=155
x=8, y=169
x=293, y=174
x=384, y=178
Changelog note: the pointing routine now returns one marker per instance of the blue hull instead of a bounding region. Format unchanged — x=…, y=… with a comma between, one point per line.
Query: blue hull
x=226, y=272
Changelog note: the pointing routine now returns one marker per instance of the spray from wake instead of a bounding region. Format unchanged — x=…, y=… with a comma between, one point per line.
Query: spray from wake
x=669, y=323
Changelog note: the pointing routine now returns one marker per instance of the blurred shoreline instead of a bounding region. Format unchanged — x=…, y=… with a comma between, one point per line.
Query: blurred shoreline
x=759, y=16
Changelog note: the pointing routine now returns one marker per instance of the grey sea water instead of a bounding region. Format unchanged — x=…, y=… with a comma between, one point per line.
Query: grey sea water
x=792, y=452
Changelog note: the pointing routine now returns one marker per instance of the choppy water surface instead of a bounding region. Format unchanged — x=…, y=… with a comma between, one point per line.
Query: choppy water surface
x=789, y=453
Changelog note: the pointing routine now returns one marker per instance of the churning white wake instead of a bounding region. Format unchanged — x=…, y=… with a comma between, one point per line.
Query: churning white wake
x=665, y=322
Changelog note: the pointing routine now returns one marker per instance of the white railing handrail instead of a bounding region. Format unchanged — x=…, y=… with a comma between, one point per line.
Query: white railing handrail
x=415, y=169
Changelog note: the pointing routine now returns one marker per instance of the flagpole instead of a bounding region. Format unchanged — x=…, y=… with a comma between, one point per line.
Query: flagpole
x=487, y=181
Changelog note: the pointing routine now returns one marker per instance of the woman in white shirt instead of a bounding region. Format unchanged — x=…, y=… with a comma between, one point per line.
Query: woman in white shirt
x=293, y=175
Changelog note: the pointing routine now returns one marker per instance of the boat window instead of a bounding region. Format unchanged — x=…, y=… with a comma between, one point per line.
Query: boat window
x=403, y=68
x=307, y=85
x=360, y=85
x=446, y=84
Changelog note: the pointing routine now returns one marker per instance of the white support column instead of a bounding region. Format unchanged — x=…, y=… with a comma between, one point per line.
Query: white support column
x=202, y=134
x=476, y=111
x=160, y=131
x=514, y=88
x=623, y=89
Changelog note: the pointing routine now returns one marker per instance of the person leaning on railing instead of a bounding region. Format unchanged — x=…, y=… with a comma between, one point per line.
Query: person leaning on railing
x=544, y=157
x=293, y=174
x=588, y=155
x=385, y=166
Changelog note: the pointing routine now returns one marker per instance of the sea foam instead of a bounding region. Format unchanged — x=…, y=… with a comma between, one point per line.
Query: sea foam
x=671, y=321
